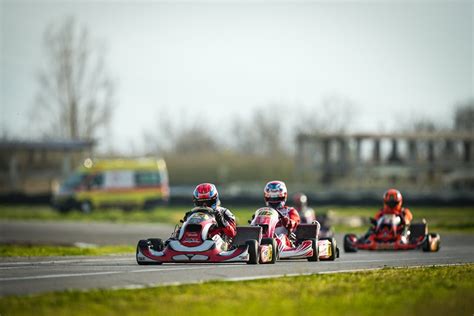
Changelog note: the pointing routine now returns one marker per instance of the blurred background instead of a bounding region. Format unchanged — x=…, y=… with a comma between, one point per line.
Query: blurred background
x=340, y=99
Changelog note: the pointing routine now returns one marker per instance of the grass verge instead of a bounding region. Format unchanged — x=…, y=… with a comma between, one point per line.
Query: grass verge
x=48, y=251
x=440, y=219
x=419, y=291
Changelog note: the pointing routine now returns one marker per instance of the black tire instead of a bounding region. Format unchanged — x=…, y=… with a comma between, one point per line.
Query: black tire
x=63, y=209
x=348, y=246
x=85, y=207
x=437, y=240
x=156, y=244
x=272, y=242
x=334, y=249
x=314, y=245
x=431, y=243
x=252, y=246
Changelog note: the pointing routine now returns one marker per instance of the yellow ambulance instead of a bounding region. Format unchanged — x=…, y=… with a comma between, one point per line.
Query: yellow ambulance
x=123, y=183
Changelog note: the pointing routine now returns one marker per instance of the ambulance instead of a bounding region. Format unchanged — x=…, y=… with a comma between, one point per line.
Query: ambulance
x=122, y=183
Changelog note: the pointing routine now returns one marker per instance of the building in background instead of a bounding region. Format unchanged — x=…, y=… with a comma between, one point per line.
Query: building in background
x=33, y=167
x=427, y=161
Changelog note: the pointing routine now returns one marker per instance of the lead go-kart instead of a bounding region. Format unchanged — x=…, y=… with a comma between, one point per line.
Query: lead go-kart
x=192, y=243
x=305, y=242
x=389, y=233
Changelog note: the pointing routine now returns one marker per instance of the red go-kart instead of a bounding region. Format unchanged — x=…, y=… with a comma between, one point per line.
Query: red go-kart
x=305, y=243
x=390, y=234
x=191, y=243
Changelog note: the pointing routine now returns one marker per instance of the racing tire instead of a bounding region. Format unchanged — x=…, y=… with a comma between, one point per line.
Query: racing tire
x=272, y=242
x=252, y=246
x=431, y=243
x=143, y=244
x=85, y=207
x=314, y=245
x=334, y=250
x=156, y=244
x=348, y=244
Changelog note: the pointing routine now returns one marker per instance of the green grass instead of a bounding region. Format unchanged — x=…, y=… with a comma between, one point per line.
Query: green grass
x=420, y=291
x=440, y=219
x=47, y=251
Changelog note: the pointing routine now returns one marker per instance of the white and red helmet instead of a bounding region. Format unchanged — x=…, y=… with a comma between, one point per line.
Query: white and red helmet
x=205, y=194
x=275, y=193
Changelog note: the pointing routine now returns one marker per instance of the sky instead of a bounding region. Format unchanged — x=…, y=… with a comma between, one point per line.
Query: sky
x=396, y=61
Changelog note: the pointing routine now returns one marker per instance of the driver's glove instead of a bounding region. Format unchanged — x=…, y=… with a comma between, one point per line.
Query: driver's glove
x=219, y=219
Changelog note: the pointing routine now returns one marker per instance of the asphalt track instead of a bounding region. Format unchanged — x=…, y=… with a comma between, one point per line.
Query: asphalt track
x=19, y=276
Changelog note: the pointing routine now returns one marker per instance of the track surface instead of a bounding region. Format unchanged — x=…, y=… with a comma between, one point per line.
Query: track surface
x=34, y=275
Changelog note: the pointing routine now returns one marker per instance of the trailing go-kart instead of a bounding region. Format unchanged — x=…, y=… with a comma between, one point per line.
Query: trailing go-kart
x=191, y=243
x=389, y=234
x=305, y=243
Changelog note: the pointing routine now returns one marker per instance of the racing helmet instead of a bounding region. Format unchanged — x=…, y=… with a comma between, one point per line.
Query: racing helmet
x=392, y=199
x=275, y=194
x=205, y=194
x=300, y=201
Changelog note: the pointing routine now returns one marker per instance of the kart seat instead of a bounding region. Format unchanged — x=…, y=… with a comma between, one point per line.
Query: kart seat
x=307, y=231
x=417, y=230
x=245, y=233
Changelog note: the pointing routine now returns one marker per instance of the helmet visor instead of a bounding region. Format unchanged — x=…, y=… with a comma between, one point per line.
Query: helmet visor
x=392, y=203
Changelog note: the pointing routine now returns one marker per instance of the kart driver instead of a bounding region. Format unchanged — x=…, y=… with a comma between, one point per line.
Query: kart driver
x=300, y=202
x=392, y=204
x=275, y=195
x=206, y=195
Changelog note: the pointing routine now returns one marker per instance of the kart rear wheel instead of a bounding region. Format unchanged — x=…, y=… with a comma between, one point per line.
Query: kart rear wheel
x=86, y=207
x=334, y=249
x=156, y=244
x=349, y=244
x=314, y=245
x=252, y=246
x=431, y=243
x=271, y=242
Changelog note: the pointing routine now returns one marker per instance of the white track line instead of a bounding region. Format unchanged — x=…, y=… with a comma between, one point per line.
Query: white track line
x=166, y=269
x=69, y=275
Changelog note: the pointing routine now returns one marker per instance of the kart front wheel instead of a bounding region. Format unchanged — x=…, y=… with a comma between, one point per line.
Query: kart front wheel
x=156, y=244
x=349, y=243
x=314, y=245
x=252, y=248
x=271, y=242
x=334, y=250
x=141, y=244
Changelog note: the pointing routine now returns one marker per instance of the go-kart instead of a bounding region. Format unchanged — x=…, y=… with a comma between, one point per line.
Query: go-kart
x=305, y=242
x=191, y=243
x=389, y=233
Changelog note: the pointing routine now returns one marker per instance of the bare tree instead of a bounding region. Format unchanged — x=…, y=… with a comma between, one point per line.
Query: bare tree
x=464, y=116
x=335, y=114
x=75, y=97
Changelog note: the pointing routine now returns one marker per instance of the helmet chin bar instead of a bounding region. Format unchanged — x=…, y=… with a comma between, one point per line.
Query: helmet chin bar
x=275, y=204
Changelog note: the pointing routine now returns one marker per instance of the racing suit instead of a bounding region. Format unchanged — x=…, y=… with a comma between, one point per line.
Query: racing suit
x=288, y=224
x=226, y=225
x=404, y=213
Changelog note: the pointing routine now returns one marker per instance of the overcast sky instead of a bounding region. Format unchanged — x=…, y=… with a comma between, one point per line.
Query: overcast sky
x=402, y=59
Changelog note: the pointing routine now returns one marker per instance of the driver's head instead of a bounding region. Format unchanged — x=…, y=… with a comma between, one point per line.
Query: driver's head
x=206, y=195
x=275, y=194
x=300, y=201
x=392, y=199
